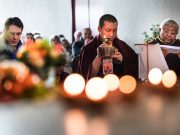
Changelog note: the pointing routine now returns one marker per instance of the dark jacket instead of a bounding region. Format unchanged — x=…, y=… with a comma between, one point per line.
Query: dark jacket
x=5, y=53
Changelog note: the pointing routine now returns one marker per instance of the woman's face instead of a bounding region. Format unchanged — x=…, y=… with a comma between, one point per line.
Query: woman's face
x=168, y=33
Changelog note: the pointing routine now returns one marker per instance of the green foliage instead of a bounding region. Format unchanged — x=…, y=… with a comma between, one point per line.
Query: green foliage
x=154, y=33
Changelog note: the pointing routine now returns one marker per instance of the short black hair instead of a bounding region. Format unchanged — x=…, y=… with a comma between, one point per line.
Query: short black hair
x=56, y=38
x=29, y=34
x=106, y=17
x=14, y=21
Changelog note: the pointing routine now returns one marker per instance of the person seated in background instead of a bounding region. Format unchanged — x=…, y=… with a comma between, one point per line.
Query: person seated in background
x=77, y=35
x=124, y=58
x=65, y=43
x=37, y=37
x=77, y=46
x=29, y=38
x=167, y=36
x=60, y=75
x=56, y=42
x=10, y=38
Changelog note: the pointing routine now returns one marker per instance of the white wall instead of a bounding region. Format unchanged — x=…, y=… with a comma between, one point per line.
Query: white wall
x=45, y=16
x=54, y=16
x=134, y=16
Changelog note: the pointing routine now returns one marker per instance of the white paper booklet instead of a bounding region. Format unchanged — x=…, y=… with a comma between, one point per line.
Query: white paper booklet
x=171, y=49
x=150, y=56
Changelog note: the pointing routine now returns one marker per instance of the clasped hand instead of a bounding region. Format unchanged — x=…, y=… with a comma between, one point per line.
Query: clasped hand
x=117, y=55
x=165, y=51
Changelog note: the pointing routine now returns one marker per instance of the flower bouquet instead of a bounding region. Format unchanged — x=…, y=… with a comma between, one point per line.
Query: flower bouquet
x=16, y=81
x=41, y=57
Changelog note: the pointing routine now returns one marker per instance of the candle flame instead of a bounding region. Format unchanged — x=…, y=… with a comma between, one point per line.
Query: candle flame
x=169, y=79
x=155, y=76
x=74, y=84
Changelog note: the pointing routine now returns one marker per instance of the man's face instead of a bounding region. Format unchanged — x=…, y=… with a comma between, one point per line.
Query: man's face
x=109, y=30
x=86, y=34
x=13, y=35
x=168, y=33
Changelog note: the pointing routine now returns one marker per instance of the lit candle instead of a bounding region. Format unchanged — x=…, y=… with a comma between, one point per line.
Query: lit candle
x=74, y=84
x=169, y=79
x=155, y=76
x=127, y=84
x=96, y=89
x=112, y=81
x=105, y=40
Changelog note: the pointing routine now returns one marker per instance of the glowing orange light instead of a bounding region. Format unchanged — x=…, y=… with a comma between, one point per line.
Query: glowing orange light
x=155, y=76
x=112, y=81
x=169, y=79
x=99, y=126
x=74, y=84
x=8, y=85
x=127, y=84
x=72, y=117
x=2, y=74
x=96, y=89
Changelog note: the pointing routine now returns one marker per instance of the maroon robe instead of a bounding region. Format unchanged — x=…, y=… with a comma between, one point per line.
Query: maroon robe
x=129, y=65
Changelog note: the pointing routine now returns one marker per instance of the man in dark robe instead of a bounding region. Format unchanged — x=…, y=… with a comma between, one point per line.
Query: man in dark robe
x=168, y=32
x=124, y=59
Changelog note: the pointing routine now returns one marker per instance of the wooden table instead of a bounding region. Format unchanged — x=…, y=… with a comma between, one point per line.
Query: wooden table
x=148, y=111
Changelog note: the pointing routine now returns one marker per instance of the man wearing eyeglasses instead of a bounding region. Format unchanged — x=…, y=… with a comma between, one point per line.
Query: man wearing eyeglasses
x=168, y=36
x=10, y=38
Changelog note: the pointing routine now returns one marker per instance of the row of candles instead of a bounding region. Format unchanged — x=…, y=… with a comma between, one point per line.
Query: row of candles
x=98, y=88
